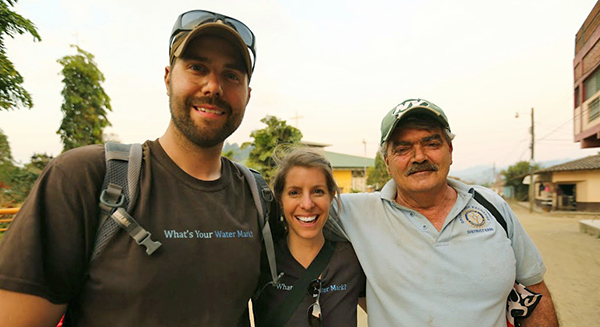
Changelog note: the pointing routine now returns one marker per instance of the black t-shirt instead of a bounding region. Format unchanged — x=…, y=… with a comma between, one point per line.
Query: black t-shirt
x=203, y=274
x=343, y=281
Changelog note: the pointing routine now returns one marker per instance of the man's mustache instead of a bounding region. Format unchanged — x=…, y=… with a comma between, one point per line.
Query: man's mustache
x=423, y=166
x=215, y=101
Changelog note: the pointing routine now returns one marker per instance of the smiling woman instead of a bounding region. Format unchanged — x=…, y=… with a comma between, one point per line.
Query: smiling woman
x=321, y=280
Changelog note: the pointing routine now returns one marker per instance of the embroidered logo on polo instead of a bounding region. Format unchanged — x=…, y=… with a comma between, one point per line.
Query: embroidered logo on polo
x=216, y=234
x=476, y=219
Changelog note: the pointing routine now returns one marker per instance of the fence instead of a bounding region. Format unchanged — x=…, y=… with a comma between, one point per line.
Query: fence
x=4, y=222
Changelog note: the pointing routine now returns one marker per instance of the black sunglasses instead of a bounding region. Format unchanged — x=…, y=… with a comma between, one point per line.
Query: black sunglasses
x=314, y=314
x=189, y=20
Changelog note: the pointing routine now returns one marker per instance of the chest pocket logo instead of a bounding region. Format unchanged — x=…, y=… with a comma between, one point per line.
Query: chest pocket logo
x=475, y=218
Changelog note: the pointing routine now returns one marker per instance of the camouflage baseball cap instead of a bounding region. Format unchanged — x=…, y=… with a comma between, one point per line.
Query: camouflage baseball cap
x=412, y=106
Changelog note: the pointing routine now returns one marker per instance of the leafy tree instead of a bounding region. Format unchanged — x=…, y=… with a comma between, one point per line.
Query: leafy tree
x=229, y=154
x=6, y=165
x=5, y=153
x=22, y=179
x=235, y=153
x=513, y=176
x=85, y=103
x=12, y=93
x=266, y=141
x=39, y=161
x=378, y=174
x=16, y=182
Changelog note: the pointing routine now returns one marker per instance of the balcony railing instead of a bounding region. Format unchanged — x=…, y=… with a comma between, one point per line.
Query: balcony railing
x=6, y=217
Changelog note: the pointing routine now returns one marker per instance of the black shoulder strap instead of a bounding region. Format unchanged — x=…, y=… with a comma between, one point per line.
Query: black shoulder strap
x=119, y=193
x=295, y=296
x=490, y=207
x=263, y=199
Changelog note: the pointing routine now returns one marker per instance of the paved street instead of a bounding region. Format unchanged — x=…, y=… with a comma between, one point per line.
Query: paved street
x=573, y=262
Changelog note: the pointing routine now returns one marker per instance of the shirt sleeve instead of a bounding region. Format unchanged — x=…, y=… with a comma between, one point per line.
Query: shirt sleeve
x=530, y=267
x=46, y=249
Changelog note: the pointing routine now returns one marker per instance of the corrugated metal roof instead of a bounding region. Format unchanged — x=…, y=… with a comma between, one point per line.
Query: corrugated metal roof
x=339, y=160
x=587, y=163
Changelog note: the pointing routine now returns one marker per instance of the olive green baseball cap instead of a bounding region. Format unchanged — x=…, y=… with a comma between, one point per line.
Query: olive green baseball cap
x=412, y=106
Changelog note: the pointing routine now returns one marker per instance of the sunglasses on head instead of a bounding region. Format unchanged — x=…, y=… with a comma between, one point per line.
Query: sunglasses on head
x=314, y=310
x=189, y=20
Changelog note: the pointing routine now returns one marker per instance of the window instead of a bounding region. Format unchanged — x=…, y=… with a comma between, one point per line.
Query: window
x=594, y=109
x=591, y=85
x=358, y=173
x=577, y=97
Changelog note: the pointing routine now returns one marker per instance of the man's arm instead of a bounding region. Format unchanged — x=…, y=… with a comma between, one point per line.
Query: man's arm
x=18, y=309
x=544, y=314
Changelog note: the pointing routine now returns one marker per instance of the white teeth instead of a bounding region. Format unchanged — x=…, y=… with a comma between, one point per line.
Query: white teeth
x=217, y=112
x=307, y=219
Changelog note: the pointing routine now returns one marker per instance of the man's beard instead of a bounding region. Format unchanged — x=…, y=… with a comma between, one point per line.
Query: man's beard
x=204, y=137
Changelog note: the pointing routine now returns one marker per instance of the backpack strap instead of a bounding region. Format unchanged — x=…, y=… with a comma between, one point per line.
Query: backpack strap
x=294, y=297
x=521, y=301
x=263, y=199
x=490, y=207
x=119, y=191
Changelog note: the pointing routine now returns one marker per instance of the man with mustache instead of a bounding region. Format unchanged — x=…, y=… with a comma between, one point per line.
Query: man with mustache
x=432, y=254
x=195, y=202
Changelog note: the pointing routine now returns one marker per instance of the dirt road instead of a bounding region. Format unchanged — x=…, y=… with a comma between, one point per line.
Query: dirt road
x=573, y=262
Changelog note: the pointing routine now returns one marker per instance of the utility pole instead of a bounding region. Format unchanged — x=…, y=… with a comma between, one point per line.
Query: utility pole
x=531, y=186
x=365, y=164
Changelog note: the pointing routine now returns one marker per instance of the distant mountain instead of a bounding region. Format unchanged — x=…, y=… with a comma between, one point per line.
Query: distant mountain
x=239, y=155
x=484, y=174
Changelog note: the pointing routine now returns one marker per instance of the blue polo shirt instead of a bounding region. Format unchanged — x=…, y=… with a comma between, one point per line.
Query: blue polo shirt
x=459, y=276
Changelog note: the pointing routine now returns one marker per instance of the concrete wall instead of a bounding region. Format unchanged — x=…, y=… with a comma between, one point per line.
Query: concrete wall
x=586, y=61
x=343, y=179
x=587, y=184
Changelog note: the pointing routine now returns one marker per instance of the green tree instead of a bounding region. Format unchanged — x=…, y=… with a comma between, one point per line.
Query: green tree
x=266, y=141
x=12, y=93
x=22, y=179
x=85, y=104
x=6, y=166
x=513, y=176
x=5, y=152
x=229, y=154
x=378, y=174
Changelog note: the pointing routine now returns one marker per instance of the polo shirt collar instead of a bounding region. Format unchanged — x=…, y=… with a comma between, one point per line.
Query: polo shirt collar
x=389, y=191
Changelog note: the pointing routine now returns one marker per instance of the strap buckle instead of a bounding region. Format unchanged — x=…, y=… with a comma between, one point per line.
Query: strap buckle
x=105, y=199
x=150, y=245
x=137, y=232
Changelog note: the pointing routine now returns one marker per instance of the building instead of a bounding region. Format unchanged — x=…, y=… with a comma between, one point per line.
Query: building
x=573, y=185
x=586, y=115
x=349, y=171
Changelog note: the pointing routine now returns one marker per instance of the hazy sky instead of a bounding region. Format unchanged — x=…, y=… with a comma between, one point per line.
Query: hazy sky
x=341, y=65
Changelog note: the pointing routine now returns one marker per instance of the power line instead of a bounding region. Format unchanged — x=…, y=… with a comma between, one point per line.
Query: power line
x=568, y=121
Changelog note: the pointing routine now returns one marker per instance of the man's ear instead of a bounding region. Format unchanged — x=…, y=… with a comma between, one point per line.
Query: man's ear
x=387, y=163
x=249, y=92
x=451, y=149
x=168, y=78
